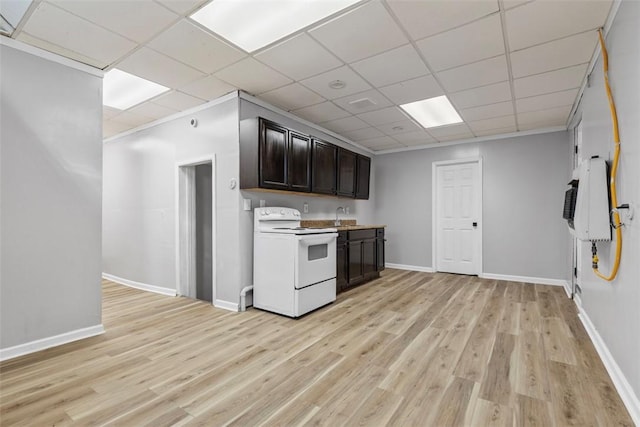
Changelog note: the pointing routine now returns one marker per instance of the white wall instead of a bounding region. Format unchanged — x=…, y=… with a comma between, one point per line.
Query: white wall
x=139, y=198
x=51, y=185
x=614, y=307
x=523, y=188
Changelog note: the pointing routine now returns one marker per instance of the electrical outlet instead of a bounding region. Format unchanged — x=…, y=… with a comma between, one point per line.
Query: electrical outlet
x=305, y=207
x=263, y=203
x=346, y=210
x=247, y=204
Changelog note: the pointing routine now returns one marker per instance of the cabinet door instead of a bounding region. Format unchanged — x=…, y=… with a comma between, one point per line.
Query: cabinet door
x=323, y=168
x=299, y=162
x=369, y=258
x=273, y=156
x=380, y=254
x=342, y=267
x=362, y=177
x=346, y=173
x=355, y=262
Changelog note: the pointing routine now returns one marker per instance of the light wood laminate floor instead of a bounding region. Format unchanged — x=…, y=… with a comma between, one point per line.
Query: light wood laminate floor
x=410, y=349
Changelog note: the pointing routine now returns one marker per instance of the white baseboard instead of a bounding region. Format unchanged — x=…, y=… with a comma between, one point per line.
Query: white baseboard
x=54, y=341
x=139, y=285
x=231, y=306
x=409, y=267
x=623, y=387
x=525, y=279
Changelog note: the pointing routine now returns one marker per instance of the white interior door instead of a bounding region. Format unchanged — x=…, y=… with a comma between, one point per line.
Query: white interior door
x=458, y=205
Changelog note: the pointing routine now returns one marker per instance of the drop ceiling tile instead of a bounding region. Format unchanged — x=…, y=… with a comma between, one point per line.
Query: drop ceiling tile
x=380, y=141
x=480, y=73
x=544, y=118
x=458, y=137
x=470, y=43
x=499, y=131
x=131, y=118
x=252, y=76
x=393, y=66
x=73, y=33
x=149, y=109
x=360, y=33
x=346, y=124
x=425, y=18
x=321, y=112
x=122, y=17
x=554, y=55
x=362, y=102
x=449, y=130
x=208, y=88
x=510, y=4
x=177, y=101
x=493, y=123
x=384, y=116
x=550, y=123
x=43, y=44
x=360, y=134
x=195, y=47
x=550, y=100
x=151, y=65
x=552, y=81
x=391, y=145
x=111, y=128
x=483, y=95
x=560, y=18
x=292, y=97
x=487, y=111
x=310, y=57
x=397, y=128
x=320, y=83
x=109, y=112
x=413, y=138
x=182, y=6
x=412, y=90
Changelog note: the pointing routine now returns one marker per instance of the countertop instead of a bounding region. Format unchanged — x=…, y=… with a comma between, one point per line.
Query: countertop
x=347, y=224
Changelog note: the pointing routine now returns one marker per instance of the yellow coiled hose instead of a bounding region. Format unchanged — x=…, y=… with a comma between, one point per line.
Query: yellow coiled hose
x=614, y=169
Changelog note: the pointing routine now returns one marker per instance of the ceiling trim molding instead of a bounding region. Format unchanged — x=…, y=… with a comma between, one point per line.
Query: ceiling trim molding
x=178, y=115
x=50, y=56
x=472, y=140
x=264, y=104
x=574, y=118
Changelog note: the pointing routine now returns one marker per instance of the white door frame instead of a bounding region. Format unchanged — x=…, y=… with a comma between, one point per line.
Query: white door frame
x=185, y=224
x=434, y=208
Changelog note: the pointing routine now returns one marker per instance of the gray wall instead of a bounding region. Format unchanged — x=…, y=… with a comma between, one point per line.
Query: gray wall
x=139, y=198
x=614, y=307
x=51, y=184
x=524, y=179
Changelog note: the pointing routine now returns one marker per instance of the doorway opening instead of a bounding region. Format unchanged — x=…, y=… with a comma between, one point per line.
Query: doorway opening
x=457, y=216
x=195, y=230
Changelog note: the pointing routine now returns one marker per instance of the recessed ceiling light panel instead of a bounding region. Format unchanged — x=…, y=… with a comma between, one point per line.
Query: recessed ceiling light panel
x=253, y=24
x=433, y=112
x=123, y=90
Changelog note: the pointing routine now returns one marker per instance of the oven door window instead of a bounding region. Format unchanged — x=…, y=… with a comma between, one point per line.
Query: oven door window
x=317, y=252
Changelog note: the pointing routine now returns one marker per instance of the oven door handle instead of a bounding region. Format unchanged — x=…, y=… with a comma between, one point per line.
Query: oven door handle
x=309, y=240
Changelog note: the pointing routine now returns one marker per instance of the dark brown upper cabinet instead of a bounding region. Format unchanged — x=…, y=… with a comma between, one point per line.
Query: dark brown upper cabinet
x=299, y=162
x=323, y=167
x=280, y=160
x=346, y=173
x=275, y=157
x=273, y=143
x=362, y=178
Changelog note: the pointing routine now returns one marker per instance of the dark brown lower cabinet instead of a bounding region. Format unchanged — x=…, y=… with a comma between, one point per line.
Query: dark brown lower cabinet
x=342, y=269
x=359, y=259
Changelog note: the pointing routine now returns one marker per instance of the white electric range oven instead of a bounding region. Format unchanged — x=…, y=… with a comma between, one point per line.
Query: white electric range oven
x=294, y=268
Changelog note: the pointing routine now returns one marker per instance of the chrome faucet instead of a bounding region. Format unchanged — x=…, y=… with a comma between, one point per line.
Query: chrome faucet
x=337, y=223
